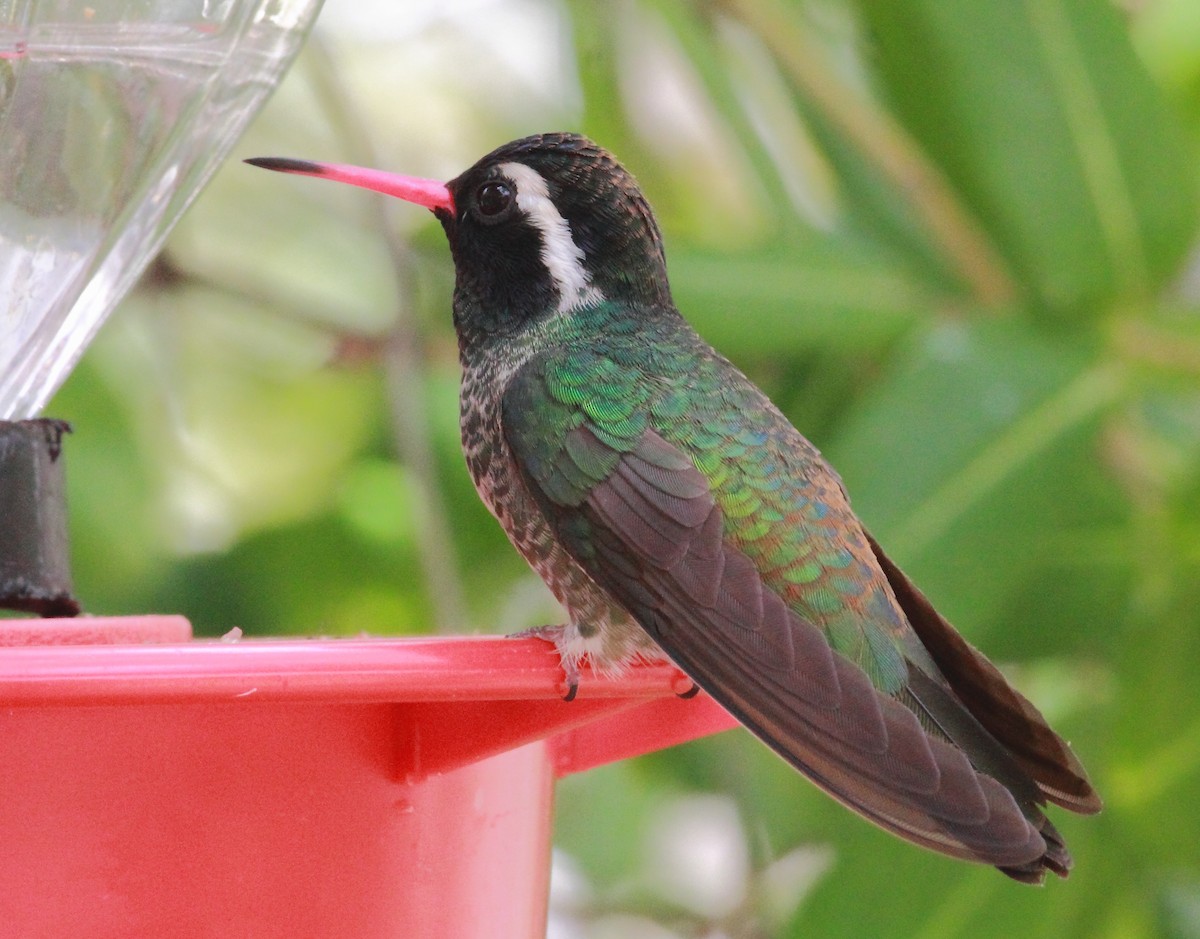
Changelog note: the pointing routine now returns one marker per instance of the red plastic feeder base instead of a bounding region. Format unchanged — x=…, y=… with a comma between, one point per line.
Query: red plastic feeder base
x=263, y=788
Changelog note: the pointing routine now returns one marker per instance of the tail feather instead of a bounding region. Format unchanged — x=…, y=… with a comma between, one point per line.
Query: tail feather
x=951, y=719
x=1006, y=714
x=1057, y=859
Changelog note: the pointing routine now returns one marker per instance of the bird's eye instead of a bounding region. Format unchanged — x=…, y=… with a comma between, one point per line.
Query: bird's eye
x=493, y=198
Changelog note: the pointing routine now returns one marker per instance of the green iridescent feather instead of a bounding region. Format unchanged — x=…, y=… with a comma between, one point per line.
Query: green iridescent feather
x=781, y=503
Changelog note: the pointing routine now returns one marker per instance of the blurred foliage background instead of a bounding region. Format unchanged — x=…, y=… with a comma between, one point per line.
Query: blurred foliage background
x=955, y=240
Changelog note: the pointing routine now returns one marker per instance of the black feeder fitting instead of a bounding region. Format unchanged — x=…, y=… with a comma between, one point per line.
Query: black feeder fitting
x=35, y=569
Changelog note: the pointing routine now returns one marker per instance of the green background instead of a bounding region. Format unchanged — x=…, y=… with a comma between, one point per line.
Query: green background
x=955, y=240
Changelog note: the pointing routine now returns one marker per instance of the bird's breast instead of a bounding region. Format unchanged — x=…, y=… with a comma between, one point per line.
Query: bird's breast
x=598, y=626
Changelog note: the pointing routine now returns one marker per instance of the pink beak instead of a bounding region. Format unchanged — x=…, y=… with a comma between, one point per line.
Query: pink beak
x=427, y=192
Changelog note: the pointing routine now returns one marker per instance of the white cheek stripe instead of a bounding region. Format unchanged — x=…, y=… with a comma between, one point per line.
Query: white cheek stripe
x=562, y=257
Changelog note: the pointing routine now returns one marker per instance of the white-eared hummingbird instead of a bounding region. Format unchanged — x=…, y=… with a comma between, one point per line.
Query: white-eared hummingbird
x=671, y=508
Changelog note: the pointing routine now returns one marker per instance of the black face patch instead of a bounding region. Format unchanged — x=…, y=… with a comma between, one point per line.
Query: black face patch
x=501, y=282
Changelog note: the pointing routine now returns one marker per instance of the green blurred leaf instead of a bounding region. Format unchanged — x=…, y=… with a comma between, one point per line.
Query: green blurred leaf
x=799, y=299
x=1047, y=123
x=979, y=443
x=883, y=889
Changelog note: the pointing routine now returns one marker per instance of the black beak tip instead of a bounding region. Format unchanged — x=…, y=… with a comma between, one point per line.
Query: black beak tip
x=285, y=165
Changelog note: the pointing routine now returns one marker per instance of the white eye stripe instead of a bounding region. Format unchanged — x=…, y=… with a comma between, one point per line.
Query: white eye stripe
x=561, y=255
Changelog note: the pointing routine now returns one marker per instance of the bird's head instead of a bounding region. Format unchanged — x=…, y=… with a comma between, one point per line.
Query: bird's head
x=541, y=226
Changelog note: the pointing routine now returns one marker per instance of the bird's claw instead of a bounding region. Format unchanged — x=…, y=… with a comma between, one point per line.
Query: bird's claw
x=689, y=688
x=570, y=678
x=553, y=634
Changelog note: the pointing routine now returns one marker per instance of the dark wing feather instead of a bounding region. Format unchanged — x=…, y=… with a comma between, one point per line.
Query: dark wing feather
x=652, y=535
x=1002, y=710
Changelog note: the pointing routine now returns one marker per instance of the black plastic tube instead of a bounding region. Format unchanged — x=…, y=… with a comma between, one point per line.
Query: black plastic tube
x=35, y=565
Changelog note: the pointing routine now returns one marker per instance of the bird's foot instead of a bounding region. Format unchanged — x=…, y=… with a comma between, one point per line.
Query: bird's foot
x=570, y=665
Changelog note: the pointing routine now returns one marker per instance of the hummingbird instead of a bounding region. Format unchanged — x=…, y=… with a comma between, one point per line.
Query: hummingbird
x=675, y=512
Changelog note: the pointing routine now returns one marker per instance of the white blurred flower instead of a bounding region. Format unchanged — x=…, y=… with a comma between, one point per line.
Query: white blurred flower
x=697, y=855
